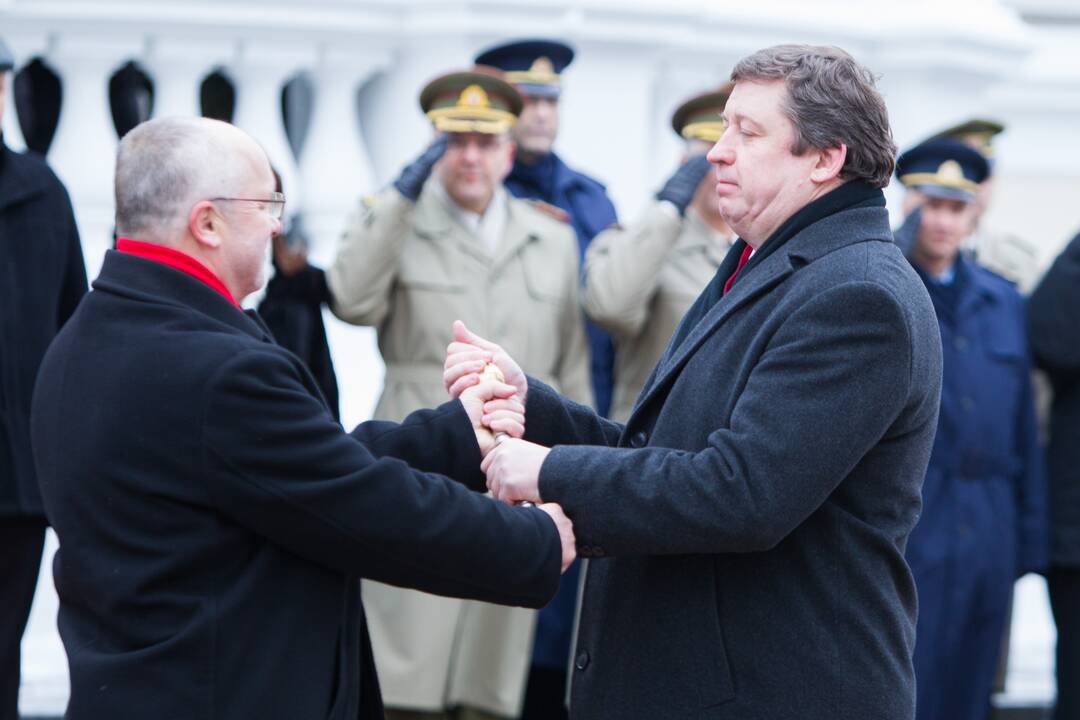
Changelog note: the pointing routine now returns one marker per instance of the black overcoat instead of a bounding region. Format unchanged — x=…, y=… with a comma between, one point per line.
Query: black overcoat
x=1054, y=312
x=214, y=519
x=42, y=279
x=747, y=526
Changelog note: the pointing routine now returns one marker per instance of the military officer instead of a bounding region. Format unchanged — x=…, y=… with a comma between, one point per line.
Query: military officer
x=641, y=280
x=447, y=242
x=1009, y=255
x=984, y=497
x=535, y=68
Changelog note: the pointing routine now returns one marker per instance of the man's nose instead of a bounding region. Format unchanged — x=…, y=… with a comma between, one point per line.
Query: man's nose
x=721, y=152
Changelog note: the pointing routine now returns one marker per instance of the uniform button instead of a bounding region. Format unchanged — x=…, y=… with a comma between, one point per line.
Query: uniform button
x=960, y=343
x=582, y=661
x=965, y=530
x=639, y=439
x=967, y=403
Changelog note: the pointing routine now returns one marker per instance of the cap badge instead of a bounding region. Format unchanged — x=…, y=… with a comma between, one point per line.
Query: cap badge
x=474, y=96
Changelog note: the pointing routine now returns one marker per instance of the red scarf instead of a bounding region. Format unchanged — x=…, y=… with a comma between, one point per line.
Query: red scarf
x=178, y=261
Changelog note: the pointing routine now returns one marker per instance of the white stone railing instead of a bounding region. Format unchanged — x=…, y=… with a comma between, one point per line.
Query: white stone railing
x=939, y=61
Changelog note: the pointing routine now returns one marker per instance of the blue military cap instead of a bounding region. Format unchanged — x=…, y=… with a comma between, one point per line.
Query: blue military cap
x=7, y=60
x=532, y=65
x=943, y=168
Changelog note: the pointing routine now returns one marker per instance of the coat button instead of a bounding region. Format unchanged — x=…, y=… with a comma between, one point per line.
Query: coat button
x=639, y=439
x=960, y=343
x=582, y=661
x=967, y=403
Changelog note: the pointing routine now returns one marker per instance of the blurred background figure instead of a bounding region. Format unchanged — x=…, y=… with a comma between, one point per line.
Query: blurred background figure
x=535, y=68
x=1054, y=312
x=292, y=306
x=1007, y=254
x=641, y=280
x=984, y=498
x=42, y=279
x=447, y=242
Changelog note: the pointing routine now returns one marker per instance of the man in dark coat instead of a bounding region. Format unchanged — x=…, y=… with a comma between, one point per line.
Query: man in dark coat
x=748, y=523
x=214, y=520
x=1054, y=311
x=984, y=498
x=42, y=279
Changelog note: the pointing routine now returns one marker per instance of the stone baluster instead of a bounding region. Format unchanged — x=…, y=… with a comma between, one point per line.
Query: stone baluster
x=178, y=66
x=83, y=153
x=335, y=168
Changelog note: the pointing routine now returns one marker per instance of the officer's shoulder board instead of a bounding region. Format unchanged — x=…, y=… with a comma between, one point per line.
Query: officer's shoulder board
x=552, y=211
x=369, y=201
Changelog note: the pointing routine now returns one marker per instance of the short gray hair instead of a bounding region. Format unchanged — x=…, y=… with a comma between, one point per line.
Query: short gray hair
x=831, y=100
x=165, y=166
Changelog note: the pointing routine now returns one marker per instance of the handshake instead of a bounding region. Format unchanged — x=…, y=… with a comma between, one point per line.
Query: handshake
x=493, y=388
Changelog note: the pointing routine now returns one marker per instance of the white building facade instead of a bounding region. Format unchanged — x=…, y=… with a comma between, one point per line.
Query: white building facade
x=939, y=62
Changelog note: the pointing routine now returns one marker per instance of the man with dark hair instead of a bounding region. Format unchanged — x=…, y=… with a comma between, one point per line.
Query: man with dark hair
x=214, y=520
x=42, y=279
x=984, y=498
x=748, y=523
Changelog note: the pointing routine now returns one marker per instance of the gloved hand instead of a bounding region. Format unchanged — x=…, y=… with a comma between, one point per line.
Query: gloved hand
x=907, y=234
x=680, y=187
x=412, y=178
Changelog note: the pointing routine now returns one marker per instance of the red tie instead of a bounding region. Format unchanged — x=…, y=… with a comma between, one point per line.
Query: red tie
x=746, y=253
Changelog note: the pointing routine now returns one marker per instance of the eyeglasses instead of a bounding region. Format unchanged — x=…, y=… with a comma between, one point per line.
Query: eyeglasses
x=275, y=204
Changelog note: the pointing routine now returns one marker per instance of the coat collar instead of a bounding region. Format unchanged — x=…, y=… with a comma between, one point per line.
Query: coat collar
x=149, y=281
x=18, y=182
x=847, y=227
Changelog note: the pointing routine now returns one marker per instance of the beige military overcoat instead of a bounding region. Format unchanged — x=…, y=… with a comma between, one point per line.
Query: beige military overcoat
x=640, y=281
x=410, y=271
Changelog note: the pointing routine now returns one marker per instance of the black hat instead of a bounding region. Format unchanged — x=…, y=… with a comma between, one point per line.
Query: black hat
x=532, y=65
x=943, y=168
x=699, y=117
x=471, y=101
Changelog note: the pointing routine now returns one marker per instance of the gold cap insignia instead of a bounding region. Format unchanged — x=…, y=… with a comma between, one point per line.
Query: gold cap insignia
x=474, y=96
x=951, y=172
x=542, y=65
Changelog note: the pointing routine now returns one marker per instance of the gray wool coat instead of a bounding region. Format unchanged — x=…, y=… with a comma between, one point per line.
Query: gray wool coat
x=747, y=525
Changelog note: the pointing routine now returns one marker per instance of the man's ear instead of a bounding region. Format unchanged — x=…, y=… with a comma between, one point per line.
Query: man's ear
x=830, y=161
x=205, y=224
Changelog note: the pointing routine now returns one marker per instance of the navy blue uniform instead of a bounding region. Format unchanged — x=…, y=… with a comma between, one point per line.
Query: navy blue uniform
x=983, y=522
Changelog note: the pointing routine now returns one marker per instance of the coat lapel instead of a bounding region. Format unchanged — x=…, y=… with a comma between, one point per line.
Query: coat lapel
x=434, y=221
x=821, y=238
x=515, y=237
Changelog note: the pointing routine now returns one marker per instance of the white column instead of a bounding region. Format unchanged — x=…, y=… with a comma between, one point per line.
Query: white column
x=335, y=168
x=259, y=74
x=177, y=67
x=83, y=152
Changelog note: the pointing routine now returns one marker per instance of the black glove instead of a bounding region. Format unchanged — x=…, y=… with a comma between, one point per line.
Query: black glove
x=680, y=187
x=907, y=234
x=411, y=180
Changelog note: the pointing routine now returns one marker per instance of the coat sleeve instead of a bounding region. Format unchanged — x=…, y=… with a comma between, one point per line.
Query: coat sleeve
x=622, y=267
x=551, y=419
x=573, y=369
x=362, y=276
x=1032, y=489
x=842, y=361
x=1054, y=314
x=416, y=440
x=278, y=464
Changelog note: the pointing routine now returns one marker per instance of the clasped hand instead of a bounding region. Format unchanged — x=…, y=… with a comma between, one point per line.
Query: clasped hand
x=512, y=465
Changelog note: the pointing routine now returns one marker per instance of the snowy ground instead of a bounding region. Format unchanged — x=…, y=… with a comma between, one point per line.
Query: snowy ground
x=1030, y=680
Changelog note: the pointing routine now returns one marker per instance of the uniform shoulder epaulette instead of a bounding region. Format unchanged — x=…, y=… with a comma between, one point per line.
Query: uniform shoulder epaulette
x=552, y=211
x=369, y=201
